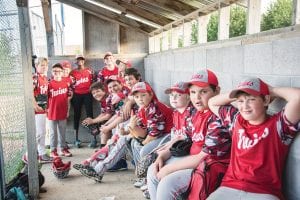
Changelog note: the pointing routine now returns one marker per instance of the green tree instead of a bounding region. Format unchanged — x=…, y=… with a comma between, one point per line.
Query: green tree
x=180, y=41
x=212, y=28
x=278, y=15
x=194, y=36
x=237, y=21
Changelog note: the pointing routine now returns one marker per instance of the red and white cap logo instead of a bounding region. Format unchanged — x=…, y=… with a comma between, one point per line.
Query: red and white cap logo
x=204, y=78
x=181, y=87
x=252, y=86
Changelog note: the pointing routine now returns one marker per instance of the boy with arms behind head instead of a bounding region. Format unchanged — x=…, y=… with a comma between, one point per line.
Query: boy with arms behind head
x=260, y=142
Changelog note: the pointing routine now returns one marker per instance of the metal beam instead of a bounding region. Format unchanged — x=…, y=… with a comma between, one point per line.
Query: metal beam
x=211, y=7
x=46, y=7
x=127, y=8
x=26, y=52
x=108, y=15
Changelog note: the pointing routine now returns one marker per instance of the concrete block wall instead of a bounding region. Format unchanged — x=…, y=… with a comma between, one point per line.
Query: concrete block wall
x=272, y=56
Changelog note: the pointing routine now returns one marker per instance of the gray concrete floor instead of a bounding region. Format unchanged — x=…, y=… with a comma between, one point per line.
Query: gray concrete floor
x=117, y=185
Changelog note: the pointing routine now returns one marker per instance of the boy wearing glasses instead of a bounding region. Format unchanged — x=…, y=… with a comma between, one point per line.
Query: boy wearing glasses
x=59, y=94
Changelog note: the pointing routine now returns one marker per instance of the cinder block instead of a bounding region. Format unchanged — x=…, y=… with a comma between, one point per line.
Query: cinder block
x=213, y=59
x=199, y=59
x=167, y=61
x=232, y=59
x=183, y=61
x=258, y=58
x=286, y=59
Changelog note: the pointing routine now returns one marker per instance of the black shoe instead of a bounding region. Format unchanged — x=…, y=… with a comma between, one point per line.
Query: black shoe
x=90, y=173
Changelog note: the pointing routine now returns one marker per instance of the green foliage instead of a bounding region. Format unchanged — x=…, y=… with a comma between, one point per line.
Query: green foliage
x=6, y=55
x=237, y=21
x=180, y=41
x=194, y=34
x=212, y=28
x=278, y=15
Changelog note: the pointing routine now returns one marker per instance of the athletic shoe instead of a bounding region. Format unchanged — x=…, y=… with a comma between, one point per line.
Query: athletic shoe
x=53, y=153
x=146, y=194
x=90, y=173
x=139, y=182
x=80, y=166
x=93, y=144
x=121, y=165
x=77, y=143
x=45, y=159
x=144, y=187
x=65, y=152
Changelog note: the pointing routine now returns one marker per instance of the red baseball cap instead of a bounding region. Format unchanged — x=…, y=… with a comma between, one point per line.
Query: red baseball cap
x=252, y=86
x=204, y=78
x=141, y=87
x=107, y=54
x=66, y=64
x=181, y=87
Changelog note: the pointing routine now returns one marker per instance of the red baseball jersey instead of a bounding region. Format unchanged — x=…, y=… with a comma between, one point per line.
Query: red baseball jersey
x=181, y=123
x=156, y=118
x=258, y=152
x=40, y=89
x=82, y=80
x=105, y=74
x=58, y=93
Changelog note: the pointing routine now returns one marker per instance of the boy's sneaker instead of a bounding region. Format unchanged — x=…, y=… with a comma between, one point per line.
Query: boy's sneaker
x=77, y=143
x=144, y=187
x=146, y=194
x=93, y=144
x=90, y=173
x=65, y=152
x=80, y=166
x=121, y=165
x=139, y=182
x=45, y=159
x=53, y=153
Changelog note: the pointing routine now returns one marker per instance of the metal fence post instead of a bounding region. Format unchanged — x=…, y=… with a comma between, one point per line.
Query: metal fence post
x=26, y=52
x=2, y=176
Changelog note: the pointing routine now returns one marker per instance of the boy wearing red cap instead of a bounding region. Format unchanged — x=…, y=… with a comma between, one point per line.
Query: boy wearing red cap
x=170, y=176
x=260, y=142
x=183, y=109
x=110, y=70
x=151, y=122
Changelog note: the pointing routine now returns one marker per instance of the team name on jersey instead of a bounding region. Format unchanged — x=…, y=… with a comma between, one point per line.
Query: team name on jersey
x=54, y=93
x=198, y=137
x=245, y=142
x=179, y=133
x=82, y=80
x=43, y=89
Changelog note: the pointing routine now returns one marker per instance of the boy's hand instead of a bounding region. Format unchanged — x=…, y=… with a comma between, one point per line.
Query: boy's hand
x=164, y=171
x=115, y=99
x=37, y=108
x=87, y=121
x=133, y=121
x=158, y=164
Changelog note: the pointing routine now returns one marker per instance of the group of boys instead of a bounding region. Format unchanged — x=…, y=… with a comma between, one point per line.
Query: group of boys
x=254, y=143
x=133, y=120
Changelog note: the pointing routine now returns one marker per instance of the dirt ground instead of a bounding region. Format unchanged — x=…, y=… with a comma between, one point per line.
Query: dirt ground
x=114, y=186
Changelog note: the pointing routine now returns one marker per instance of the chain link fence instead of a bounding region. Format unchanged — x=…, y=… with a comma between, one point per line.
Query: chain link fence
x=12, y=111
